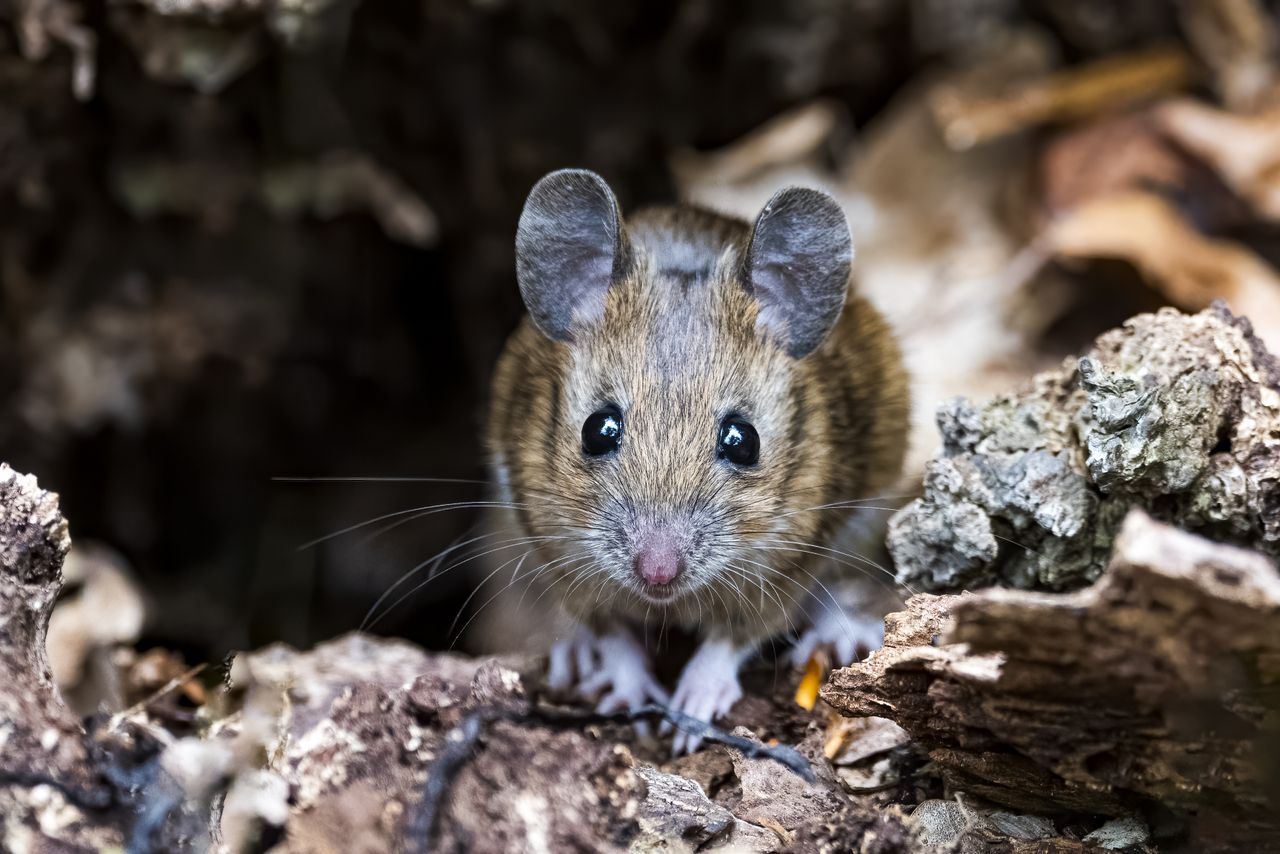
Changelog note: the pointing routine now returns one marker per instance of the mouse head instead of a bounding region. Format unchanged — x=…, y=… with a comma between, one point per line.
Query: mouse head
x=681, y=430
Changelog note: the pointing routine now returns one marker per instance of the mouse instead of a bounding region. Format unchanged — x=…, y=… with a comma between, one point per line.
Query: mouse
x=680, y=429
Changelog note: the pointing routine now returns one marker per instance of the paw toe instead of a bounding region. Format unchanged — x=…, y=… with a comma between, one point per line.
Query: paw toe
x=803, y=650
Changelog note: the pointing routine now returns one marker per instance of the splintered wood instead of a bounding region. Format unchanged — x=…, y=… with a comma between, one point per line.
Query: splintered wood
x=1158, y=684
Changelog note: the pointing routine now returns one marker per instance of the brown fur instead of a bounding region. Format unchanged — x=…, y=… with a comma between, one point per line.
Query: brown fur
x=677, y=349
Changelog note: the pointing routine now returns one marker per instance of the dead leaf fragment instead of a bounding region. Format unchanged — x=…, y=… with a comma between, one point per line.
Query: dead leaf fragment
x=1190, y=269
x=107, y=610
x=1243, y=149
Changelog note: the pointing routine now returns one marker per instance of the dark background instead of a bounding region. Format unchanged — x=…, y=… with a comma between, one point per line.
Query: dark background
x=186, y=312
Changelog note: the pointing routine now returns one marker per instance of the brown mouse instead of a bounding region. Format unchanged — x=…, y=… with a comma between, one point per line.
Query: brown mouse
x=680, y=426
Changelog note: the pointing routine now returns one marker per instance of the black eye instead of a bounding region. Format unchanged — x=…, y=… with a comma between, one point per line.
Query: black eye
x=739, y=443
x=602, y=432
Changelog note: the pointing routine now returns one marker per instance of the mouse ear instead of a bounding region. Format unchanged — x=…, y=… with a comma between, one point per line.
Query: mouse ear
x=797, y=267
x=568, y=246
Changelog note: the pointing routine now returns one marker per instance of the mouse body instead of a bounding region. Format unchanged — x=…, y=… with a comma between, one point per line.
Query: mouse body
x=679, y=426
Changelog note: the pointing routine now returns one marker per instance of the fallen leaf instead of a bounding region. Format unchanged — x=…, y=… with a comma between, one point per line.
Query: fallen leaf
x=1243, y=149
x=1187, y=267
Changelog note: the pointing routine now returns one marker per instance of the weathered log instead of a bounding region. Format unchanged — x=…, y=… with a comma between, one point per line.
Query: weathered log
x=50, y=795
x=1154, y=692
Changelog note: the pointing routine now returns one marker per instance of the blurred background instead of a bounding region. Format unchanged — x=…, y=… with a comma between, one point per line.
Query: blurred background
x=252, y=239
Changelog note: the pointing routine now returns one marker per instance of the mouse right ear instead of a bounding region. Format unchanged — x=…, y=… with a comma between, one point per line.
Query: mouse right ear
x=797, y=267
x=568, y=248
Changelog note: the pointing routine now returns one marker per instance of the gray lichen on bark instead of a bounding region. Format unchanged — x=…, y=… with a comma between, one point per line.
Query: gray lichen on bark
x=1177, y=414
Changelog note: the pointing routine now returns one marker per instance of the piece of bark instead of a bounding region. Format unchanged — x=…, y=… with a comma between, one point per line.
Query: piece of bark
x=62, y=789
x=953, y=826
x=49, y=791
x=676, y=808
x=365, y=722
x=1174, y=413
x=1157, y=685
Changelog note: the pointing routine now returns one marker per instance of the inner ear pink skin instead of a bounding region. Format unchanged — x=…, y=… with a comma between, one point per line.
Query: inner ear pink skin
x=659, y=559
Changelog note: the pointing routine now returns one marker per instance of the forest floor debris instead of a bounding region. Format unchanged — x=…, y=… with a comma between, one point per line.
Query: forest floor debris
x=1084, y=192
x=365, y=744
x=1138, y=710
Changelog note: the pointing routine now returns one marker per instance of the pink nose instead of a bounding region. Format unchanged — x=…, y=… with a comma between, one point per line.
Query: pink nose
x=658, y=560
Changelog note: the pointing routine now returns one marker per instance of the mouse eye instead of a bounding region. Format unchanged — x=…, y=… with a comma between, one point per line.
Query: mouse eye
x=739, y=443
x=602, y=432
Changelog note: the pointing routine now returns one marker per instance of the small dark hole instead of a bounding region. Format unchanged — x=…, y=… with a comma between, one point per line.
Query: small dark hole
x=1227, y=577
x=1104, y=765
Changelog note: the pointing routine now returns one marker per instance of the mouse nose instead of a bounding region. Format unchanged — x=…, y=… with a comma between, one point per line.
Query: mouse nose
x=659, y=559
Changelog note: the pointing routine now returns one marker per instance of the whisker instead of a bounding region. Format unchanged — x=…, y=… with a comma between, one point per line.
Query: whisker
x=425, y=510
x=833, y=554
x=478, y=588
x=513, y=543
x=491, y=599
x=393, y=479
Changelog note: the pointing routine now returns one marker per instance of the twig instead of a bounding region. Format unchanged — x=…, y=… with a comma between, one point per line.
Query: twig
x=782, y=754
x=457, y=751
x=173, y=684
x=460, y=742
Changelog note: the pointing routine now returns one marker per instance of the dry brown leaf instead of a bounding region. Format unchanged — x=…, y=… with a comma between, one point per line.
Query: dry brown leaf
x=107, y=610
x=1190, y=269
x=1243, y=149
x=1130, y=152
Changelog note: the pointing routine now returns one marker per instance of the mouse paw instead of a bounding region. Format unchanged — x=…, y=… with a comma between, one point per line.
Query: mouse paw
x=708, y=688
x=624, y=677
x=571, y=660
x=845, y=633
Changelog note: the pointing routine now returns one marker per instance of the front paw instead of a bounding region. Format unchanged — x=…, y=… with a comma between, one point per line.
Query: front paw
x=846, y=634
x=624, y=675
x=708, y=688
x=571, y=660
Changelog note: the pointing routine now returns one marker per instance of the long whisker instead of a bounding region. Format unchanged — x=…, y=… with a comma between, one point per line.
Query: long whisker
x=494, y=597
x=425, y=510
x=833, y=608
x=463, y=607
x=394, y=479
x=506, y=544
x=829, y=553
x=774, y=570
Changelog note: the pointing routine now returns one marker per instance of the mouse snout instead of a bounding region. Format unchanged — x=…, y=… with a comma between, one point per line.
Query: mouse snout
x=659, y=559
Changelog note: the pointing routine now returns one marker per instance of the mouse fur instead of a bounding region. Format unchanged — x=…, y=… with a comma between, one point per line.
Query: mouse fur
x=679, y=318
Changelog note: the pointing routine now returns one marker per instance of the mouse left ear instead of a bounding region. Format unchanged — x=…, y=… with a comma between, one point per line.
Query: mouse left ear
x=568, y=246
x=797, y=267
